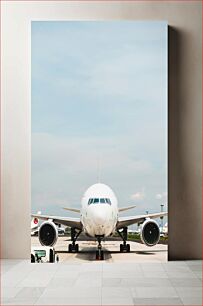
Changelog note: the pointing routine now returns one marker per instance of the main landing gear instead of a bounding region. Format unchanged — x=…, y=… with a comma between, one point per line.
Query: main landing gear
x=99, y=252
x=74, y=247
x=125, y=247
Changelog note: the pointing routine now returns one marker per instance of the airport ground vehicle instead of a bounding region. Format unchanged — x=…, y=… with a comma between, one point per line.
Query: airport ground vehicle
x=43, y=254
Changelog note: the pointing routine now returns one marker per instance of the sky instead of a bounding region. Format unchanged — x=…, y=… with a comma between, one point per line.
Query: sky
x=99, y=101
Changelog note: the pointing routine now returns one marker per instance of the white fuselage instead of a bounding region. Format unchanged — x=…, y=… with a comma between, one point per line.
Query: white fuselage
x=99, y=213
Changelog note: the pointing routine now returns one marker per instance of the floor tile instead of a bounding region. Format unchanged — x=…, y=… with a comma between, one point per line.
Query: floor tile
x=69, y=267
x=189, y=291
x=153, y=292
x=91, y=282
x=28, y=292
x=61, y=282
x=185, y=282
x=176, y=268
x=22, y=301
x=178, y=274
x=192, y=301
x=15, y=275
x=122, y=274
x=198, y=274
x=112, y=282
x=4, y=301
x=112, y=267
x=158, y=301
x=115, y=292
x=68, y=301
x=117, y=301
x=155, y=274
x=196, y=268
x=72, y=292
x=152, y=267
x=146, y=282
x=193, y=262
x=90, y=275
x=91, y=267
x=9, y=292
x=6, y=268
x=67, y=274
x=35, y=281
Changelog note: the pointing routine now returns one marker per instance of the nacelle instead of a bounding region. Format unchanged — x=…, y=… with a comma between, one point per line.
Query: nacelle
x=150, y=233
x=48, y=233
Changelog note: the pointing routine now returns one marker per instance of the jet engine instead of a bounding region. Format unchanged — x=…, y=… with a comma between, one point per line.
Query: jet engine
x=150, y=232
x=48, y=233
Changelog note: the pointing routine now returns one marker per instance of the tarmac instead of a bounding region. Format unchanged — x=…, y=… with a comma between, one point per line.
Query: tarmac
x=87, y=251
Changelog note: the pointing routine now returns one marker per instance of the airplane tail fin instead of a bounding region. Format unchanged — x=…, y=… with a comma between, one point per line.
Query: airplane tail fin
x=126, y=208
x=72, y=209
x=34, y=223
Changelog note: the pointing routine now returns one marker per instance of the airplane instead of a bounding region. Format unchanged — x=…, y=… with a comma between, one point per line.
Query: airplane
x=99, y=218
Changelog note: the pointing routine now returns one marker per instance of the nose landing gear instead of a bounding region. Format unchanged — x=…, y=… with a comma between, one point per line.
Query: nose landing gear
x=74, y=247
x=99, y=252
x=125, y=247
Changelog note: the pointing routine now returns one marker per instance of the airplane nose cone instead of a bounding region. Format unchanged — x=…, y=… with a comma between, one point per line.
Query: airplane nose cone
x=99, y=217
x=100, y=220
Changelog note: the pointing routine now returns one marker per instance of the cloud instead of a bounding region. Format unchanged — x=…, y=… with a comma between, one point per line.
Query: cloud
x=140, y=195
x=161, y=196
x=158, y=196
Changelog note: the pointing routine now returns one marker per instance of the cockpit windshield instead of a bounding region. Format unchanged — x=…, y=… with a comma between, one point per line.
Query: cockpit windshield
x=99, y=201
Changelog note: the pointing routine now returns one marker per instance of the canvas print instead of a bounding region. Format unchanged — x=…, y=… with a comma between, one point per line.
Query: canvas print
x=99, y=141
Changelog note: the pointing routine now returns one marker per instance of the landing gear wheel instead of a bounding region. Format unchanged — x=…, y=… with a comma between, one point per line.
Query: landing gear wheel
x=73, y=248
x=99, y=255
x=121, y=248
x=124, y=236
x=76, y=248
x=70, y=248
x=102, y=255
x=124, y=248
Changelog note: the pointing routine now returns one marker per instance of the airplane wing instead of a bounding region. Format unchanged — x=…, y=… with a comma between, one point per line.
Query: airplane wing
x=67, y=221
x=72, y=209
x=126, y=208
x=126, y=221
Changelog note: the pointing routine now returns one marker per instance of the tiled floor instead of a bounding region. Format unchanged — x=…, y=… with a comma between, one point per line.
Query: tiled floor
x=101, y=283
